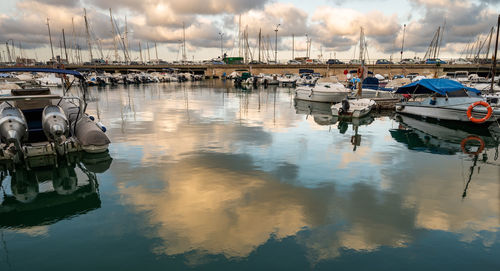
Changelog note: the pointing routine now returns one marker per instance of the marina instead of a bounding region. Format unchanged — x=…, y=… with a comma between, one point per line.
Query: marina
x=249, y=135
x=192, y=167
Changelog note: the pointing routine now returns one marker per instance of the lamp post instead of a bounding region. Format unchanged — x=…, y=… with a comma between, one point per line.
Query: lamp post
x=403, y=43
x=276, y=44
x=307, y=46
x=221, y=42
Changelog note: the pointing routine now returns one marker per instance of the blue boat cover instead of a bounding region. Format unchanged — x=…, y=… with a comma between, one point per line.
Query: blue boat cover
x=429, y=86
x=27, y=69
x=370, y=83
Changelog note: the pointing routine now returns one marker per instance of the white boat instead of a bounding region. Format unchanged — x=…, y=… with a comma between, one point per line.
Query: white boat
x=324, y=91
x=306, y=79
x=288, y=80
x=448, y=100
x=353, y=108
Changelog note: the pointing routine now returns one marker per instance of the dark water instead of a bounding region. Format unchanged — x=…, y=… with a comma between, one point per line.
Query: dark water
x=212, y=178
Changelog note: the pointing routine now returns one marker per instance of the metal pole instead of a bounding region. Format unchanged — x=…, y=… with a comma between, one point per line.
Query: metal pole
x=65, y=50
x=50, y=39
x=403, y=43
x=221, y=48
x=293, y=46
x=495, y=57
x=276, y=44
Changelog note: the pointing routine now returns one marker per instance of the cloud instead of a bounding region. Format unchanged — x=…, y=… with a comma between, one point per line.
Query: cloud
x=464, y=22
x=339, y=28
x=162, y=21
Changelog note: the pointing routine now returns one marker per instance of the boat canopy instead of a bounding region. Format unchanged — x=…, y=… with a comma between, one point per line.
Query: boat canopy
x=59, y=71
x=429, y=86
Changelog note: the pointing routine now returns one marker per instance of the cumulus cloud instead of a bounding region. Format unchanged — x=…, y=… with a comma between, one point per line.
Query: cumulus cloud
x=333, y=28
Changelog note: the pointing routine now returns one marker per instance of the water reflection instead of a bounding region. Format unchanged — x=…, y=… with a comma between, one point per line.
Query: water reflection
x=69, y=188
x=207, y=175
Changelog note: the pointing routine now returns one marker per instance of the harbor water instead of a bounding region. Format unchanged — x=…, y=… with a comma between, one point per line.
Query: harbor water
x=204, y=176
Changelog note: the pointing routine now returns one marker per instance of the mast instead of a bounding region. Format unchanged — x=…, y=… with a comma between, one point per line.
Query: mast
x=156, y=51
x=60, y=48
x=50, y=39
x=361, y=45
x=441, y=40
x=260, y=38
x=140, y=52
x=73, y=43
x=489, y=42
x=149, y=56
x=183, y=42
x=495, y=57
x=293, y=46
x=89, y=42
x=8, y=51
x=113, y=32
x=65, y=50
x=239, y=37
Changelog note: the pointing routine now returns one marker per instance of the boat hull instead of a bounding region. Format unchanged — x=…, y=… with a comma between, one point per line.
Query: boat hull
x=443, y=113
x=320, y=96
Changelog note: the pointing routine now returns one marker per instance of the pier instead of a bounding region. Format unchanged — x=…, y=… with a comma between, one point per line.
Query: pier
x=323, y=69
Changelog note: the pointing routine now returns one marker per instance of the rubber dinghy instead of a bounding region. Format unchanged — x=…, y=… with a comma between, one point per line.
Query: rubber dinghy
x=35, y=122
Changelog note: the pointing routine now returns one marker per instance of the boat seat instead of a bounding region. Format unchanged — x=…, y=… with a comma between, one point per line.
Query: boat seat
x=31, y=104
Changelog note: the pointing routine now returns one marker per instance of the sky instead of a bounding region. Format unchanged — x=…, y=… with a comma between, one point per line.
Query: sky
x=333, y=27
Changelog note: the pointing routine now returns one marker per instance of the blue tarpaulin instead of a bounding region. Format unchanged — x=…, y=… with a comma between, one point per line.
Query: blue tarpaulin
x=59, y=71
x=429, y=86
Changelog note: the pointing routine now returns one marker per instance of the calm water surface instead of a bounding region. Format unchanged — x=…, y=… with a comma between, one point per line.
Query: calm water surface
x=204, y=176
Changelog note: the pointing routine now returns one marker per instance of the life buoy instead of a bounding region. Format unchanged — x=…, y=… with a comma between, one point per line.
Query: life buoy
x=488, y=114
x=472, y=138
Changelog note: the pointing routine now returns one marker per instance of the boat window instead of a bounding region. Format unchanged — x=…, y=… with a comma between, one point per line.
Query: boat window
x=458, y=93
x=327, y=86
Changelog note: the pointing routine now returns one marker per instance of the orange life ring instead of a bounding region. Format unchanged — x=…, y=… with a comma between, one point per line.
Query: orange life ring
x=482, y=103
x=474, y=138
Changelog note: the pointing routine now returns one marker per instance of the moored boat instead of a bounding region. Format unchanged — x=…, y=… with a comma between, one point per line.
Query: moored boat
x=447, y=100
x=353, y=108
x=35, y=122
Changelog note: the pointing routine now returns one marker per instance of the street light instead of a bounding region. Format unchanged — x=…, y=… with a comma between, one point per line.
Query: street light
x=221, y=42
x=403, y=43
x=276, y=44
x=307, y=46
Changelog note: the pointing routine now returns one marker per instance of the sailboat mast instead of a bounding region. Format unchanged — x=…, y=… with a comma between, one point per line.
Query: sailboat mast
x=140, y=52
x=293, y=46
x=260, y=38
x=50, y=39
x=156, y=51
x=494, y=69
x=239, y=36
x=489, y=42
x=89, y=42
x=149, y=56
x=183, y=42
x=113, y=32
x=65, y=50
x=73, y=43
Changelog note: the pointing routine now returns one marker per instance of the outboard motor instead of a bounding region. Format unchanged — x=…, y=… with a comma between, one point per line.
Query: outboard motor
x=13, y=126
x=55, y=124
x=345, y=106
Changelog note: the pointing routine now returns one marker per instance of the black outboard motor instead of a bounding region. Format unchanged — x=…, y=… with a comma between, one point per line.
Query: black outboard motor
x=345, y=106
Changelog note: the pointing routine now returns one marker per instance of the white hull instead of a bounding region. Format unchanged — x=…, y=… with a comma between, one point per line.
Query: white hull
x=454, y=109
x=320, y=96
x=358, y=108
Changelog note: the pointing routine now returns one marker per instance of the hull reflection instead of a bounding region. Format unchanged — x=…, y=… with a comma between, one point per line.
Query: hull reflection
x=74, y=189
